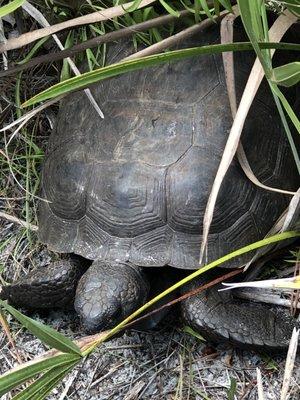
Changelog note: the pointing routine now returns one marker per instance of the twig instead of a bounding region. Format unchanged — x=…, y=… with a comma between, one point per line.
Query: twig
x=260, y=390
x=289, y=365
x=6, y=330
x=296, y=293
x=178, y=37
x=187, y=295
x=134, y=392
x=68, y=385
x=18, y=221
x=87, y=341
x=94, y=42
x=97, y=16
x=38, y=16
x=81, y=343
x=264, y=297
x=155, y=48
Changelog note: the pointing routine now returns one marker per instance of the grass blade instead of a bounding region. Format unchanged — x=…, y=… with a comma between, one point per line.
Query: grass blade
x=226, y=4
x=168, y=8
x=13, y=379
x=282, y=283
x=33, y=50
x=88, y=78
x=286, y=105
x=231, y=392
x=39, y=17
x=42, y=386
x=253, y=246
x=134, y=6
x=228, y=63
x=288, y=74
x=288, y=132
x=278, y=29
x=104, y=15
x=206, y=9
x=293, y=6
x=250, y=14
x=46, y=334
x=41, y=395
x=10, y=7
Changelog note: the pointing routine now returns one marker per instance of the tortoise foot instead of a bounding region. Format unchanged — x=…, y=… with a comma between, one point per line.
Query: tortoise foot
x=46, y=287
x=255, y=326
x=109, y=292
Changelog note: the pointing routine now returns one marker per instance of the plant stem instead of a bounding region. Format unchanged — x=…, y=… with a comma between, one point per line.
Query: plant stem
x=236, y=253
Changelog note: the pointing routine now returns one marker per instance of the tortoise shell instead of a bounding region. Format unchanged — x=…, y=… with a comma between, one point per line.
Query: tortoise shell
x=133, y=187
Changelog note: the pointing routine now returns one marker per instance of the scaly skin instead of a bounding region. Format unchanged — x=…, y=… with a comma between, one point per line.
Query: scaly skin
x=219, y=317
x=50, y=287
x=109, y=292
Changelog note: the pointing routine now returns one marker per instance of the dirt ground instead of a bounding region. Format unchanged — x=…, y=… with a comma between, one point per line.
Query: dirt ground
x=163, y=364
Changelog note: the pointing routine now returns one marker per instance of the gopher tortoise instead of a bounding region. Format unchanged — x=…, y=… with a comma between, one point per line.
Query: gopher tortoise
x=129, y=192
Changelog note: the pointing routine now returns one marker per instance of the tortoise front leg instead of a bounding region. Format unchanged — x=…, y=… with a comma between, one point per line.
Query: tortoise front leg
x=219, y=317
x=108, y=292
x=46, y=287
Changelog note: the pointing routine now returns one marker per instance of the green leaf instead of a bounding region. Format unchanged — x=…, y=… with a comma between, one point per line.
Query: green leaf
x=156, y=34
x=42, y=386
x=169, y=8
x=42, y=394
x=197, y=10
x=13, y=379
x=232, y=390
x=226, y=4
x=46, y=334
x=134, y=6
x=33, y=50
x=253, y=246
x=288, y=74
x=206, y=9
x=286, y=105
x=250, y=14
x=86, y=79
x=287, y=131
x=10, y=7
x=217, y=7
x=65, y=70
x=190, y=331
x=293, y=6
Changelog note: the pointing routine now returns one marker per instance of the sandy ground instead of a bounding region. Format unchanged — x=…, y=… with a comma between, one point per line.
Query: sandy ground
x=162, y=364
